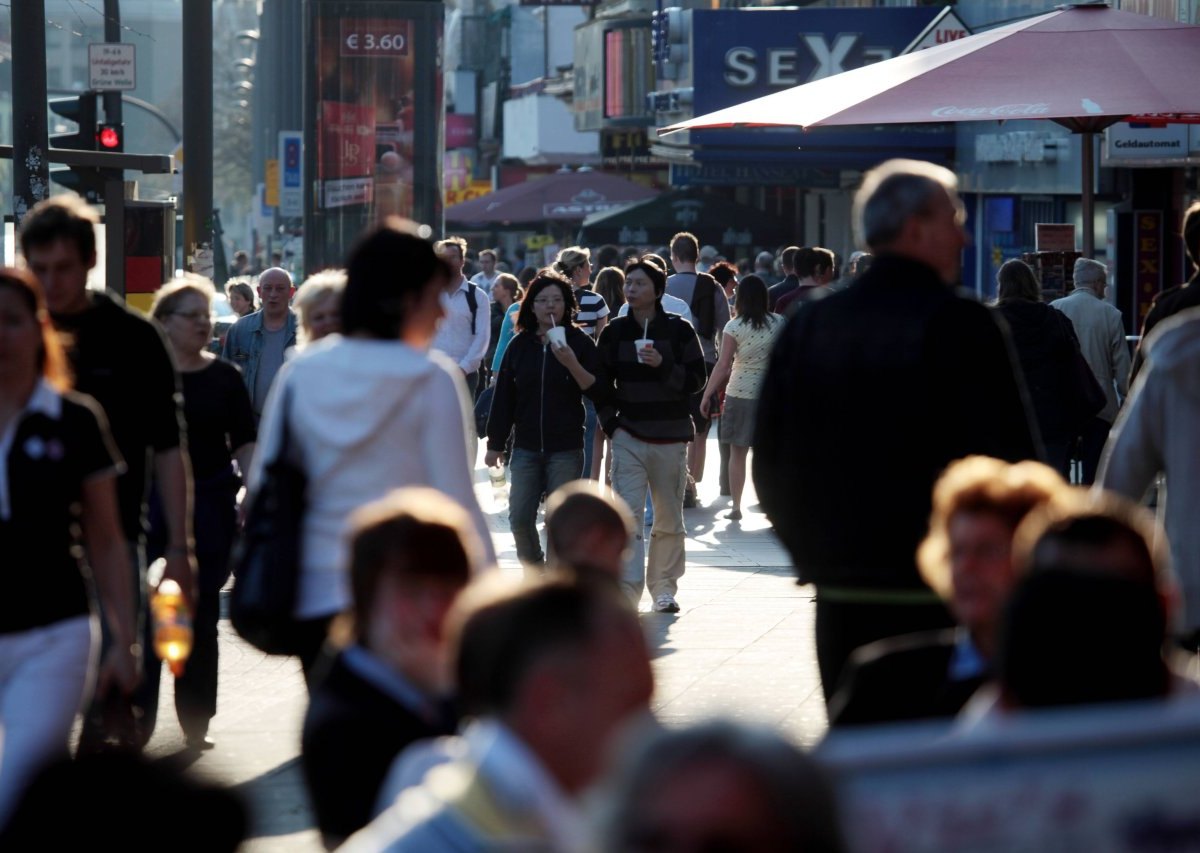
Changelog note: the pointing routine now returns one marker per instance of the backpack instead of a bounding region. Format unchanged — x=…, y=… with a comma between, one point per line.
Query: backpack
x=472, y=303
x=704, y=309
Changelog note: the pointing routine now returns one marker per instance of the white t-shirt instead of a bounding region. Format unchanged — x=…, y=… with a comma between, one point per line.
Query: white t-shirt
x=480, y=278
x=670, y=304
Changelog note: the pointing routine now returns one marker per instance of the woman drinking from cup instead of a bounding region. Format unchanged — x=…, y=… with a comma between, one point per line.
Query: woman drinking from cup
x=548, y=367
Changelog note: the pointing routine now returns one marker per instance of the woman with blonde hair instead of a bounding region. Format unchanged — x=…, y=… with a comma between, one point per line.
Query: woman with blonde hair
x=220, y=429
x=319, y=304
x=967, y=558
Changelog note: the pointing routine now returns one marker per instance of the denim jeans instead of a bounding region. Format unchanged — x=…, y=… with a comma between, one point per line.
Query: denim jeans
x=589, y=435
x=532, y=475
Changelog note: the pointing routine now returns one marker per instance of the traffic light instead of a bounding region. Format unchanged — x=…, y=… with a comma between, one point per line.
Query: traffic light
x=110, y=137
x=80, y=109
x=88, y=181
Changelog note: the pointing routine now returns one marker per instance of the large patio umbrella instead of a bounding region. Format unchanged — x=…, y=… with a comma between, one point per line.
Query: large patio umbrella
x=561, y=197
x=1085, y=67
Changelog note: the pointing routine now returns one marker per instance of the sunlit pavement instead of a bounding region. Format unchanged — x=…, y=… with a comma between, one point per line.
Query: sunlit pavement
x=741, y=647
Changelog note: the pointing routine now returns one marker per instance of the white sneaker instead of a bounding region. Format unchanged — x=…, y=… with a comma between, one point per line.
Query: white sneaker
x=666, y=603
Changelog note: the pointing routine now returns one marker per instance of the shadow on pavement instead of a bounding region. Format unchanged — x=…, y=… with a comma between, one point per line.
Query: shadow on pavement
x=278, y=801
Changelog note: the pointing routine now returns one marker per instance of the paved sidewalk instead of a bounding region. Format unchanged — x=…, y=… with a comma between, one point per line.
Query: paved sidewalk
x=740, y=647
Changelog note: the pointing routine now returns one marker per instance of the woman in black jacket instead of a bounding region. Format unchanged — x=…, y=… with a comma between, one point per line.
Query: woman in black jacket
x=539, y=396
x=1048, y=351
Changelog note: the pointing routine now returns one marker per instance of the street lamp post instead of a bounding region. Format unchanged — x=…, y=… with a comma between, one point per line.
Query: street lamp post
x=197, y=128
x=31, y=169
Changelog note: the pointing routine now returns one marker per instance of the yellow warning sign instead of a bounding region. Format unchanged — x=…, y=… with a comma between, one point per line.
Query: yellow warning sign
x=272, y=184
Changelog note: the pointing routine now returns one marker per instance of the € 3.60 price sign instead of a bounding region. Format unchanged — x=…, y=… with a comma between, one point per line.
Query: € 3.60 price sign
x=374, y=37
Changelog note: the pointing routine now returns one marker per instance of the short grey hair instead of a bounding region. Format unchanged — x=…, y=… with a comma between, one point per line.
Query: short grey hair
x=1089, y=273
x=797, y=791
x=894, y=192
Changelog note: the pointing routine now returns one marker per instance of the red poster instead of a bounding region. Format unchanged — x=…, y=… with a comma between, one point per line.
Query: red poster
x=460, y=131
x=365, y=73
x=347, y=140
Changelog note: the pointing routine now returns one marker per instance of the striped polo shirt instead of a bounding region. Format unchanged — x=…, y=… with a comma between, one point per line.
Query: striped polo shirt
x=591, y=308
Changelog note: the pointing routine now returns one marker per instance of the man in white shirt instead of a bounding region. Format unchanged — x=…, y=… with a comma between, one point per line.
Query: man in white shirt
x=710, y=308
x=552, y=674
x=1101, y=333
x=466, y=329
x=671, y=304
x=487, y=274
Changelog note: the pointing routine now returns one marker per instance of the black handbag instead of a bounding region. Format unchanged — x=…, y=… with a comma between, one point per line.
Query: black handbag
x=266, y=561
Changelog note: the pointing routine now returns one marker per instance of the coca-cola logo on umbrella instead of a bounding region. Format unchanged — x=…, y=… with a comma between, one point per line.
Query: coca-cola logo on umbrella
x=1003, y=110
x=581, y=204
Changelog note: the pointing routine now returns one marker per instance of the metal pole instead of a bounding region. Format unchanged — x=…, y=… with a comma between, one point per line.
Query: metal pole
x=112, y=34
x=197, y=127
x=114, y=235
x=31, y=169
x=1089, y=177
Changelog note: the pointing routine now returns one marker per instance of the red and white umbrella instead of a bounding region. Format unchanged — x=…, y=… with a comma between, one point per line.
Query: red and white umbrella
x=1085, y=67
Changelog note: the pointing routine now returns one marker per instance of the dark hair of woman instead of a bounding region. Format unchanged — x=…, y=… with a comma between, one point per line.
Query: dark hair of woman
x=656, y=274
x=527, y=320
x=610, y=284
x=750, y=301
x=51, y=360
x=526, y=276
x=1016, y=280
x=388, y=268
x=723, y=271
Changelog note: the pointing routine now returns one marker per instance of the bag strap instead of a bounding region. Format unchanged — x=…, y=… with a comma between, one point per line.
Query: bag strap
x=472, y=303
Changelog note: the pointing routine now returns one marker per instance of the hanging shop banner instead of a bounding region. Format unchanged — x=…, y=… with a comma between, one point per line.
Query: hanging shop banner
x=1147, y=261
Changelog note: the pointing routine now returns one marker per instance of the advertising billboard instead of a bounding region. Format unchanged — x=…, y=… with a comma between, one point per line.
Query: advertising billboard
x=373, y=121
x=738, y=56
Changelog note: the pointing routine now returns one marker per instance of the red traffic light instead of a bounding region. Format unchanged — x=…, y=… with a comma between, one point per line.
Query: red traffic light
x=109, y=138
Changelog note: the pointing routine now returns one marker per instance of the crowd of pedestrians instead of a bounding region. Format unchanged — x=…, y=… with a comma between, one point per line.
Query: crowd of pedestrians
x=927, y=461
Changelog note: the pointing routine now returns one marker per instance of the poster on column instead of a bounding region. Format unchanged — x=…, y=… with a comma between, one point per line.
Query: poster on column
x=365, y=115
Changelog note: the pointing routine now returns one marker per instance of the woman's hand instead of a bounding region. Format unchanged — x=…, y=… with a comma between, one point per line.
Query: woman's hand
x=565, y=355
x=493, y=458
x=120, y=668
x=706, y=405
x=650, y=356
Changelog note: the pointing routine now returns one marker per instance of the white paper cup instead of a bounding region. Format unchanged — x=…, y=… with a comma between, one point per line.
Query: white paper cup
x=557, y=336
x=642, y=343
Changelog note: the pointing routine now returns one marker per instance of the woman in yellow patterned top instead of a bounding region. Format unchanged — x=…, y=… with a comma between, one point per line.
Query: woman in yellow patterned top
x=745, y=349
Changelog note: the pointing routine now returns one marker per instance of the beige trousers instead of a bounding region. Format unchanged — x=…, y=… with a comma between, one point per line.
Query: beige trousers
x=636, y=466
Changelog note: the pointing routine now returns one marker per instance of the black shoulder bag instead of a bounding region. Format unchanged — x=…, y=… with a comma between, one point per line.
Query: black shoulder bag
x=266, y=561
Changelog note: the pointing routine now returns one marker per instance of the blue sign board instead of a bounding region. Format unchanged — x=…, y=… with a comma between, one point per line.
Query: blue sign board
x=291, y=173
x=740, y=55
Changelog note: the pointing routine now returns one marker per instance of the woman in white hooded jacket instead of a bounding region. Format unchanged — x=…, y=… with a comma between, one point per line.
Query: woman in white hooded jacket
x=369, y=411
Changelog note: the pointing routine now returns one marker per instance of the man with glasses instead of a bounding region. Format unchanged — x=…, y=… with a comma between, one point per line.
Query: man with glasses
x=120, y=359
x=256, y=343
